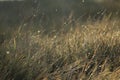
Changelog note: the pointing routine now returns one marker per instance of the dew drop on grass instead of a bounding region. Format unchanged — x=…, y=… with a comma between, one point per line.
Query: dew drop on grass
x=7, y=52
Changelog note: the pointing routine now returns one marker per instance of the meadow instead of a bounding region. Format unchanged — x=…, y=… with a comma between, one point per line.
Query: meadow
x=68, y=40
x=89, y=51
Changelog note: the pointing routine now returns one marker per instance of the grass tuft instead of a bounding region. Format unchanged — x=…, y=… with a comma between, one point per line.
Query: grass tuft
x=87, y=52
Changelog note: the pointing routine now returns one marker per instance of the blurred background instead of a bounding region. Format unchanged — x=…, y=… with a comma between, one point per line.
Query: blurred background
x=43, y=13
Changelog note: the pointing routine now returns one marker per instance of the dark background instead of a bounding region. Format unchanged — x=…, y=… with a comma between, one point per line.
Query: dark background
x=49, y=12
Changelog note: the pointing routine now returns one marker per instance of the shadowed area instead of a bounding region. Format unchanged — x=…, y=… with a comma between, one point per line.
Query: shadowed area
x=43, y=13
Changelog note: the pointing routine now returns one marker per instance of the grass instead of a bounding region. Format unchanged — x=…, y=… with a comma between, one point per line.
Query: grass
x=85, y=52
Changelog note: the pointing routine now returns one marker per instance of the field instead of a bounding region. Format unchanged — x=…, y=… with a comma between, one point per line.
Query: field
x=90, y=51
x=68, y=40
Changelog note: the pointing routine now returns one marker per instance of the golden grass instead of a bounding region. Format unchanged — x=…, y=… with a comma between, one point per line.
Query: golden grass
x=86, y=52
